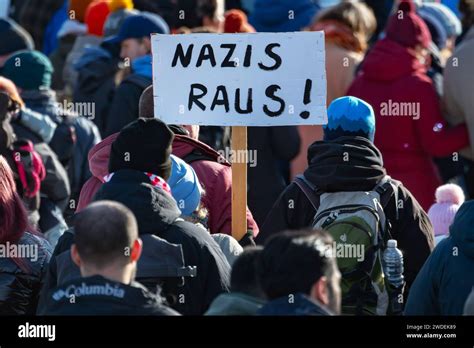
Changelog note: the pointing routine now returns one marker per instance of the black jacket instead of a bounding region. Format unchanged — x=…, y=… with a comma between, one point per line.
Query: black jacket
x=164, y=275
x=20, y=280
x=124, y=106
x=97, y=295
x=271, y=146
x=96, y=81
x=55, y=189
x=301, y=305
x=157, y=214
x=56, y=183
x=87, y=135
x=354, y=164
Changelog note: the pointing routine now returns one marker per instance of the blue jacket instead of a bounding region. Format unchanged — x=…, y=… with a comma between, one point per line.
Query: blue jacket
x=300, y=305
x=447, y=278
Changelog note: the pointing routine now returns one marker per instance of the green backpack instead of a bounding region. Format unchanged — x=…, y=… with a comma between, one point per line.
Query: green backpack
x=357, y=223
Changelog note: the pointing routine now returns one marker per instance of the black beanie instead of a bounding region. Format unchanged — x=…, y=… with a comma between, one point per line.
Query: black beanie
x=144, y=145
x=14, y=37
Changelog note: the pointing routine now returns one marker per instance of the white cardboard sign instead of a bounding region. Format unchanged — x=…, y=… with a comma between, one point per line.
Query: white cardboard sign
x=259, y=79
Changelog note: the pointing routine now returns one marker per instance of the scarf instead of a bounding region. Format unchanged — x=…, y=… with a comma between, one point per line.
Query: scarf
x=340, y=35
x=155, y=180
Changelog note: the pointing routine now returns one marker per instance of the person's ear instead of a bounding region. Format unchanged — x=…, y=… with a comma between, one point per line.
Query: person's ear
x=319, y=291
x=76, y=258
x=136, y=250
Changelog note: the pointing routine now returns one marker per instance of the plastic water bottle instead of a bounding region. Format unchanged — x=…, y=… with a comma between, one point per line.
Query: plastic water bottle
x=393, y=264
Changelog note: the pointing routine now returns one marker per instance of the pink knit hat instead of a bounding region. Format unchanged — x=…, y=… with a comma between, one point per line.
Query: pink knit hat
x=449, y=198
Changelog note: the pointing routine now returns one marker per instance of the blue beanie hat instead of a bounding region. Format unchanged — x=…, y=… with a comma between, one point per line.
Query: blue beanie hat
x=185, y=186
x=282, y=15
x=350, y=116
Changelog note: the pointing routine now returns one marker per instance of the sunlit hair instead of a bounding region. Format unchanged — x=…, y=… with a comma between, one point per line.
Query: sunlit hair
x=13, y=216
x=9, y=87
x=357, y=16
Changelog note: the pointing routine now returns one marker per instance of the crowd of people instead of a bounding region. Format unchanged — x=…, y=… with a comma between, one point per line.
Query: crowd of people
x=107, y=210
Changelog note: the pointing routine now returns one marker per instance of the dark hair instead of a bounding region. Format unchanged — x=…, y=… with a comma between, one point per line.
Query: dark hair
x=104, y=231
x=466, y=7
x=244, y=273
x=146, y=110
x=13, y=216
x=194, y=12
x=203, y=30
x=292, y=261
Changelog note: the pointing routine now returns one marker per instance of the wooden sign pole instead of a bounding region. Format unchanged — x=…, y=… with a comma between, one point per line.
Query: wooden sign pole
x=239, y=183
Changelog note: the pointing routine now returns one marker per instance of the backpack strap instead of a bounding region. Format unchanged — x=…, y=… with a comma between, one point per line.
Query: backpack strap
x=308, y=189
x=197, y=155
x=384, y=189
x=386, y=185
x=30, y=167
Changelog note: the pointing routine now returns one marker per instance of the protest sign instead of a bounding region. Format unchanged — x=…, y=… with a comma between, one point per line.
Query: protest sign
x=239, y=80
x=259, y=79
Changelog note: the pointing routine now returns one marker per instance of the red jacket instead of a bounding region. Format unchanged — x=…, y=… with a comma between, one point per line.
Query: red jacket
x=216, y=179
x=390, y=78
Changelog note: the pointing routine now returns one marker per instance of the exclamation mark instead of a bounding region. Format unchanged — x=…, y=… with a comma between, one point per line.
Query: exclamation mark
x=307, y=98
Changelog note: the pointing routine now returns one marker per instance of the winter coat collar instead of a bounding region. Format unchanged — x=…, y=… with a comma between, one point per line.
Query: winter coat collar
x=142, y=66
x=344, y=164
x=301, y=305
x=90, y=292
x=41, y=95
x=235, y=303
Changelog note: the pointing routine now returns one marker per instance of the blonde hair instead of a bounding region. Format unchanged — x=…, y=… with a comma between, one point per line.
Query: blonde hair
x=9, y=87
x=357, y=16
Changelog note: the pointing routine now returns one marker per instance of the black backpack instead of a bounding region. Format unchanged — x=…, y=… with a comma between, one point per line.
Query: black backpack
x=161, y=267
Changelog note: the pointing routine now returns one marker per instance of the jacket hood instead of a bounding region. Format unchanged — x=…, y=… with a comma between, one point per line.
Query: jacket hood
x=461, y=230
x=302, y=305
x=154, y=209
x=185, y=186
x=235, y=303
x=95, y=67
x=91, y=53
x=92, y=293
x=344, y=164
x=388, y=61
x=99, y=157
x=44, y=101
x=39, y=97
